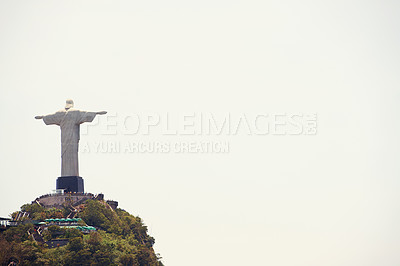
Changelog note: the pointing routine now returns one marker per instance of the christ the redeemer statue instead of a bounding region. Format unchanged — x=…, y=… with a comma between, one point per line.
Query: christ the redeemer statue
x=69, y=121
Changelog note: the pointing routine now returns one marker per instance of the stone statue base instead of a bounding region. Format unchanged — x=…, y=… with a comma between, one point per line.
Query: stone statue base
x=70, y=183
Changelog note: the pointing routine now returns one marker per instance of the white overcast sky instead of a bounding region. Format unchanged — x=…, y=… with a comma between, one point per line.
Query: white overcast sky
x=327, y=199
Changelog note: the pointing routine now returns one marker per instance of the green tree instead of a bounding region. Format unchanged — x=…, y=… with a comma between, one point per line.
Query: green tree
x=76, y=244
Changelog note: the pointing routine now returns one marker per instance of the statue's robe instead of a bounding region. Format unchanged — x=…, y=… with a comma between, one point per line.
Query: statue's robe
x=69, y=122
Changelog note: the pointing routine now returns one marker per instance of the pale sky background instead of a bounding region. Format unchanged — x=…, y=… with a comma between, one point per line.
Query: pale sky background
x=328, y=199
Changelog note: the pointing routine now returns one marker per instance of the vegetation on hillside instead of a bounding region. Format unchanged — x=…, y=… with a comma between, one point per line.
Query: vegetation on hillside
x=120, y=239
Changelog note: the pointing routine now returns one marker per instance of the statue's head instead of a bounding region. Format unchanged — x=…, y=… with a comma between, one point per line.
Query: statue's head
x=69, y=104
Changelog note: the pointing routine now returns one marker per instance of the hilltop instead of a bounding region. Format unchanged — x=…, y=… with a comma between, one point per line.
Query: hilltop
x=81, y=233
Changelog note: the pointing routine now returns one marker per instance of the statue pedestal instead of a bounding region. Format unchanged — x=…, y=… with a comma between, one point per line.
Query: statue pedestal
x=70, y=183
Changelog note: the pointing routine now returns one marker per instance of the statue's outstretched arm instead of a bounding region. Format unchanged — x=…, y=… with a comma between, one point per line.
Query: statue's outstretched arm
x=39, y=117
x=101, y=113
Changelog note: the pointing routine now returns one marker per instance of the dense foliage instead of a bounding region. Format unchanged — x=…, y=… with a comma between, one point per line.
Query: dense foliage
x=121, y=239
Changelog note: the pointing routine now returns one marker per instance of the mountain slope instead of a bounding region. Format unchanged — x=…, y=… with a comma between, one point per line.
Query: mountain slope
x=98, y=235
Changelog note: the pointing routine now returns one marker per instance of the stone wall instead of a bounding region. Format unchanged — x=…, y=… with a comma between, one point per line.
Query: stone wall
x=57, y=200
